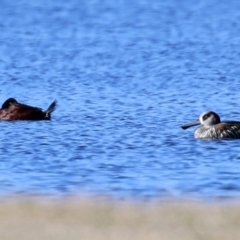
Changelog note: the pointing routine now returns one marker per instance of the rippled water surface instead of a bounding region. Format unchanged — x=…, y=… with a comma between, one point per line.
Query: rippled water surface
x=126, y=75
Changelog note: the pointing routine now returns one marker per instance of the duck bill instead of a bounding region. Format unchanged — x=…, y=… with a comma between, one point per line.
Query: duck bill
x=191, y=124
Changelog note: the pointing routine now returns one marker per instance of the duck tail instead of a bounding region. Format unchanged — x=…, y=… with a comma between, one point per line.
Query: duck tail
x=52, y=107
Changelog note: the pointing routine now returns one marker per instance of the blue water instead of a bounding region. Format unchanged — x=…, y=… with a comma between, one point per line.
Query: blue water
x=126, y=74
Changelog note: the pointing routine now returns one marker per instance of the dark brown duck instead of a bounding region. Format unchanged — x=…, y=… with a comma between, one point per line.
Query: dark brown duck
x=13, y=110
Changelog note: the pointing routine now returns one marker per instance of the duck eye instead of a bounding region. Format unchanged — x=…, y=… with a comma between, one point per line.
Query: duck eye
x=205, y=116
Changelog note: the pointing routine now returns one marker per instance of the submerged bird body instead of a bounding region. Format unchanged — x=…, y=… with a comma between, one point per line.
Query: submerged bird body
x=13, y=110
x=213, y=128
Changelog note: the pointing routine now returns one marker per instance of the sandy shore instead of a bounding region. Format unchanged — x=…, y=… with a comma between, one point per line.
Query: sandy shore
x=91, y=219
